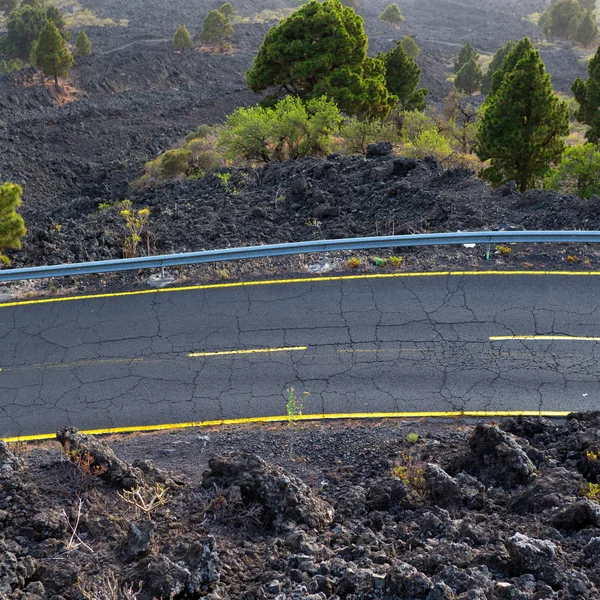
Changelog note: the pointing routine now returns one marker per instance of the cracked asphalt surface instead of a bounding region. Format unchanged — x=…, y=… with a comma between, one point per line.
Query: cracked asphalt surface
x=398, y=344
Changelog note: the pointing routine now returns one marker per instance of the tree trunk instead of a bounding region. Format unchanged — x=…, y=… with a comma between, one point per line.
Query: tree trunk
x=56, y=81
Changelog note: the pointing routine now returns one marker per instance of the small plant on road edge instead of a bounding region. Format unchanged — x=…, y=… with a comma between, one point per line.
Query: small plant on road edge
x=136, y=222
x=503, y=250
x=354, y=262
x=294, y=406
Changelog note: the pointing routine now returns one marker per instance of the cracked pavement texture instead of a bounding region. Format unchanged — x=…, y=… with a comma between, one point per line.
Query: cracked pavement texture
x=399, y=344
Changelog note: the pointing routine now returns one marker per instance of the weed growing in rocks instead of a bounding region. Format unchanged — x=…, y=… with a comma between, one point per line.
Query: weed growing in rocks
x=379, y=262
x=395, y=261
x=503, y=250
x=145, y=498
x=410, y=473
x=106, y=587
x=136, y=222
x=354, y=262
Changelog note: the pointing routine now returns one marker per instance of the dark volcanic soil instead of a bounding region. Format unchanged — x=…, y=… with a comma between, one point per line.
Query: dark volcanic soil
x=309, y=199
x=346, y=511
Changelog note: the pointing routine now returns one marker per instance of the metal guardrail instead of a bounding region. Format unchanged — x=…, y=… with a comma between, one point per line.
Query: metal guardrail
x=316, y=246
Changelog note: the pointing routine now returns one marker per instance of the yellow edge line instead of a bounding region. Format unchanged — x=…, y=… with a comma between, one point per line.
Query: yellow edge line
x=496, y=338
x=297, y=280
x=315, y=417
x=253, y=351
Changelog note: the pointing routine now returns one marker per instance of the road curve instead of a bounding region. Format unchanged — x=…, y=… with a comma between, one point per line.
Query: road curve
x=395, y=344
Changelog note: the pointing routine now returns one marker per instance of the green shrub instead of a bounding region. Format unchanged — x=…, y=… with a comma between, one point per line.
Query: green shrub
x=175, y=162
x=201, y=132
x=357, y=134
x=578, y=173
x=291, y=130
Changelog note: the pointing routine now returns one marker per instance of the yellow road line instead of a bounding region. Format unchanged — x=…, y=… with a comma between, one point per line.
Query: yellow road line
x=211, y=286
x=253, y=351
x=577, y=338
x=314, y=417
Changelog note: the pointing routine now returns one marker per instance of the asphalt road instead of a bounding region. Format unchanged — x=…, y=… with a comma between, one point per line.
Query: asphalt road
x=361, y=345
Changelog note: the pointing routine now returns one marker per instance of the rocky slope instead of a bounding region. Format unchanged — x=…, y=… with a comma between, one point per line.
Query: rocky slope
x=308, y=199
x=419, y=511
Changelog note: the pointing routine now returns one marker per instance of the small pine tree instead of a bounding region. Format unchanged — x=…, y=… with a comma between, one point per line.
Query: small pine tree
x=495, y=64
x=216, y=28
x=468, y=79
x=12, y=227
x=392, y=14
x=52, y=54
x=410, y=46
x=402, y=76
x=182, y=38
x=227, y=10
x=587, y=31
x=83, y=46
x=588, y=96
x=522, y=126
x=465, y=54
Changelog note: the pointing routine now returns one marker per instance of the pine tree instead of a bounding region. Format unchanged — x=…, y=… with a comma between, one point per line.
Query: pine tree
x=182, y=38
x=588, y=4
x=52, y=54
x=402, y=76
x=495, y=64
x=392, y=14
x=465, y=54
x=587, y=31
x=227, y=10
x=83, y=46
x=24, y=26
x=588, y=96
x=518, y=51
x=522, y=126
x=216, y=28
x=321, y=49
x=410, y=46
x=12, y=227
x=468, y=79
x=353, y=4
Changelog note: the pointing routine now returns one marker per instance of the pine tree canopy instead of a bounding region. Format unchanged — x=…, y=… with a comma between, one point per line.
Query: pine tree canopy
x=468, y=79
x=495, y=64
x=24, y=26
x=182, y=38
x=83, y=46
x=216, y=28
x=587, y=95
x=321, y=49
x=410, y=46
x=522, y=126
x=465, y=54
x=12, y=227
x=521, y=49
x=392, y=14
x=227, y=10
x=52, y=54
x=402, y=76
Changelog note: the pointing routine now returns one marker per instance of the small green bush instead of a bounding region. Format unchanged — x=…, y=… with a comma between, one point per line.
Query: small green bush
x=175, y=162
x=379, y=262
x=357, y=134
